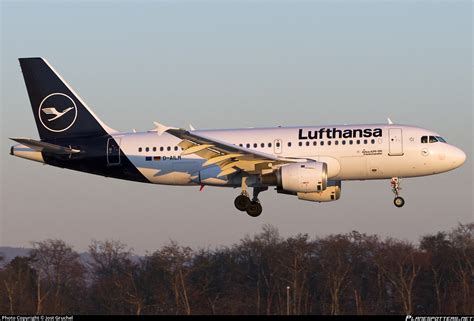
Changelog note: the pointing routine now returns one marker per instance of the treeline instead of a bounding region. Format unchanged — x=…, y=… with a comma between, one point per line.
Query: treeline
x=265, y=274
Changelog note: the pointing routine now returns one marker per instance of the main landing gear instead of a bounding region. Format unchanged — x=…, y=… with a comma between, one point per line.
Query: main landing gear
x=398, y=201
x=243, y=202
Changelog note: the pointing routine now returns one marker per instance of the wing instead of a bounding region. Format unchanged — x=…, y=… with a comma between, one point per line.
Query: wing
x=50, y=111
x=230, y=158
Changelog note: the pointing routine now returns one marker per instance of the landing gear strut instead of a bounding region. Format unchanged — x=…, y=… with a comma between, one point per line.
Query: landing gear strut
x=398, y=201
x=255, y=208
x=243, y=202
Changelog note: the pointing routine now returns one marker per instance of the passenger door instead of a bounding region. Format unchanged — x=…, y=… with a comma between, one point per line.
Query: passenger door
x=395, y=141
x=113, y=151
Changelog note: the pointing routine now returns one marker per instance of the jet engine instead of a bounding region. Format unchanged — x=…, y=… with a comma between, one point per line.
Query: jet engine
x=331, y=193
x=304, y=177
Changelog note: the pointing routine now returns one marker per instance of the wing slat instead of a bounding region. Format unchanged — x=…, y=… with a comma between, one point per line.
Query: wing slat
x=221, y=158
x=195, y=148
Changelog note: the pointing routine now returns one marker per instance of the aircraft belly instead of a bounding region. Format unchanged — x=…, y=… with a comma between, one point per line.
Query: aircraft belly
x=353, y=168
x=169, y=172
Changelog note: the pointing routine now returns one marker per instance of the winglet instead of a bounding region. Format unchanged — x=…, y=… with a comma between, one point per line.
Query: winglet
x=160, y=128
x=390, y=122
x=191, y=127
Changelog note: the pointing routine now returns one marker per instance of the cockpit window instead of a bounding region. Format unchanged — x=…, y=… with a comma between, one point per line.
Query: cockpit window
x=432, y=139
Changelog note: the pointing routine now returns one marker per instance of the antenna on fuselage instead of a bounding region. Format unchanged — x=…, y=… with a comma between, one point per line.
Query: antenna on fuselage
x=390, y=122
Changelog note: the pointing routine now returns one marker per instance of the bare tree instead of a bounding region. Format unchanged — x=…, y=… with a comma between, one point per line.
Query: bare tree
x=60, y=275
x=400, y=263
x=462, y=239
x=113, y=275
x=177, y=263
x=260, y=256
x=441, y=257
x=334, y=260
x=17, y=287
x=296, y=261
x=350, y=273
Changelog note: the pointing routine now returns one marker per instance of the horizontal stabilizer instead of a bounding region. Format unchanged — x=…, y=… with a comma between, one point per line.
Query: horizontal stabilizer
x=45, y=147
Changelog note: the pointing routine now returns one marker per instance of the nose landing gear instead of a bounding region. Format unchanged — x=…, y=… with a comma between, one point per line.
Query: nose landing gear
x=398, y=201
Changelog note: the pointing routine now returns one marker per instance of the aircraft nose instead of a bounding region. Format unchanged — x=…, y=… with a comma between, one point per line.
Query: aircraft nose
x=458, y=157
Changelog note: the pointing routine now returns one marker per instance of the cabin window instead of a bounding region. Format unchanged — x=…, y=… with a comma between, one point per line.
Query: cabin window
x=350, y=142
x=168, y=148
x=248, y=145
x=315, y=143
x=255, y=145
x=139, y=149
x=269, y=144
x=241, y=145
x=147, y=149
x=343, y=142
x=262, y=145
x=277, y=144
x=176, y=148
x=289, y=144
x=154, y=149
x=329, y=142
x=336, y=142
x=161, y=148
x=365, y=141
x=372, y=141
x=307, y=143
x=322, y=143
x=300, y=144
x=358, y=142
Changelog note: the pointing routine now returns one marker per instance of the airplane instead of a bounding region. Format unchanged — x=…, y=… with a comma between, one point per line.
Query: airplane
x=309, y=162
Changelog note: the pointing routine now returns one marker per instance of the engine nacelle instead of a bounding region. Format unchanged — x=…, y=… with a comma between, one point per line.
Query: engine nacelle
x=304, y=177
x=331, y=193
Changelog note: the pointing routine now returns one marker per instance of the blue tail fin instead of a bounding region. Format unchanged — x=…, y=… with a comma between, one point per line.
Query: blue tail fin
x=59, y=112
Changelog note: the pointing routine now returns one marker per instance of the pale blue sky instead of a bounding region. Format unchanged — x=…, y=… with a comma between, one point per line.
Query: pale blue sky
x=236, y=64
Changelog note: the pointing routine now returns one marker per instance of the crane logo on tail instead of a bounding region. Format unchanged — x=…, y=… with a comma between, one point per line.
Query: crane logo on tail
x=57, y=112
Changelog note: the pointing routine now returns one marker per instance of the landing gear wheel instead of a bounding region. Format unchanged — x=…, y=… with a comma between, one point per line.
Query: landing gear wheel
x=242, y=202
x=399, y=201
x=254, y=209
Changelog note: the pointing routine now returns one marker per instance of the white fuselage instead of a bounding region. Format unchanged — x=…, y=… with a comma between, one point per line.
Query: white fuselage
x=397, y=152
